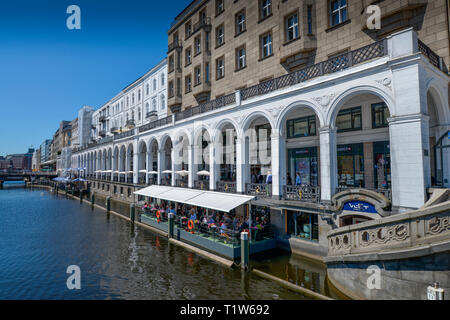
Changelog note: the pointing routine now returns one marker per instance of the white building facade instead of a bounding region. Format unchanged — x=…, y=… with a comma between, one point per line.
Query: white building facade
x=139, y=103
x=391, y=101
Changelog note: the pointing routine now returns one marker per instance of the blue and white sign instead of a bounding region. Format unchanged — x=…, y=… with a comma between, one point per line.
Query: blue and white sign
x=360, y=206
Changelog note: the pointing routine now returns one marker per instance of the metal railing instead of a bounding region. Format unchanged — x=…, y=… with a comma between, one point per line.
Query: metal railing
x=226, y=186
x=155, y=124
x=211, y=231
x=201, y=185
x=200, y=24
x=302, y=193
x=181, y=183
x=259, y=189
x=432, y=56
x=207, y=106
x=125, y=134
x=175, y=44
x=166, y=182
x=335, y=64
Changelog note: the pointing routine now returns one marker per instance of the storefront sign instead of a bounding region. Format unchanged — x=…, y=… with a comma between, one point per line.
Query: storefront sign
x=360, y=206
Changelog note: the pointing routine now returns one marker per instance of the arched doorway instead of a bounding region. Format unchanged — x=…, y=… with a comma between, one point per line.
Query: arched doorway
x=363, y=155
x=257, y=173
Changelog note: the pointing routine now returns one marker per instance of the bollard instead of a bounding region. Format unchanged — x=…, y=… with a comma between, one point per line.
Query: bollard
x=170, y=222
x=245, y=251
x=93, y=199
x=108, y=204
x=132, y=211
x=434, y=292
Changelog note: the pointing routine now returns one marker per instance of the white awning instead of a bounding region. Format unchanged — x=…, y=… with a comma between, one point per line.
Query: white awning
x=206, y=199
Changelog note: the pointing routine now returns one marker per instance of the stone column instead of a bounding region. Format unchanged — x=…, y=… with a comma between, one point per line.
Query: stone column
x=113, y=161
x=410, y=150
x=240, y=165
x=148, y=165
x=328, y=163
x=135, y=167
x=278, y=164
x=173, y=167
x=161, y=164
x=192, y=166
x=408, y=125
x=213, y=166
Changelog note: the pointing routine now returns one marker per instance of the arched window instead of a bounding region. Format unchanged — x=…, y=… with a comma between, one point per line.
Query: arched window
x=132, y=98
x=154, y=84
x=163, y=102
x=162, y=79
x=132, y=115
x=139, y=114
x=148, y=89
x=154, y=104
x=139, y=95
x=128, y=101
x=128, y=116
x=147, y=107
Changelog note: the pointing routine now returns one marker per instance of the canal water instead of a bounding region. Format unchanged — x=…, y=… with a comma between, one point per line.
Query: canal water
x=41, y=234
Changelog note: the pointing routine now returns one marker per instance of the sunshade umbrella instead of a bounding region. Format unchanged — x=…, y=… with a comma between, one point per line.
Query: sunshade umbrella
x=143, y=171
x=182, y=173
x=152, y=172
x=203, y=173
x=167, y=171
x=78, y=180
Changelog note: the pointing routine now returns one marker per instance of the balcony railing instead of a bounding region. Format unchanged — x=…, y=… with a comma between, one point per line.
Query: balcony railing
x=102, y=118
x=341, y=62
x=155, y=124
x=302, y=193
x=114, y=130
x=181, y=183
x=202, y=23
x=124, y=135
x=166, y=182
x=259, y=189
x=102, y=133
x=226, y=186
x=175, y=44
x=151, y=114
x=434, y=59
x=207, y=106
x=385, y=192
x=201, y=185
x=130, y=123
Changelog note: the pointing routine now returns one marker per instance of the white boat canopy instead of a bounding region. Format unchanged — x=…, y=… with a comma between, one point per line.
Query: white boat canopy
x=206, y=199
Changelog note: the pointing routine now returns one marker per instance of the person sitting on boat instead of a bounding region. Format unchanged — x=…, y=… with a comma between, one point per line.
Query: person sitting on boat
x=193, y=215
x=172, y=210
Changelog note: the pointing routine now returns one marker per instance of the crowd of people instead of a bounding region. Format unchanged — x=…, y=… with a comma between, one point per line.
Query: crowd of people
x=227, y=225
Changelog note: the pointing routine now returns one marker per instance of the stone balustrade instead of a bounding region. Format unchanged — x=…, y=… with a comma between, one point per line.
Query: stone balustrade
x=394, y=234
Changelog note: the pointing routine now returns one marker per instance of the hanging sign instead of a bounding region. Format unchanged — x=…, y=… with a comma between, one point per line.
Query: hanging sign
x=360, y=206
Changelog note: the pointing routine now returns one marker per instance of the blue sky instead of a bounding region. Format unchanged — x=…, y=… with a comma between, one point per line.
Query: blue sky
x=47, y=72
